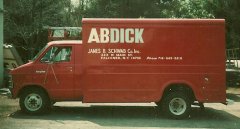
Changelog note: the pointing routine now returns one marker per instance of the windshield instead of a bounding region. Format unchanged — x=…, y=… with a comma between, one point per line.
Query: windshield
x=34, y=58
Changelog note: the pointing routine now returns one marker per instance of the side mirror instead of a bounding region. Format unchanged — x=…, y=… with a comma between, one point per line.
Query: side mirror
x=52, y=57
x=45, y=60
x=48, y=59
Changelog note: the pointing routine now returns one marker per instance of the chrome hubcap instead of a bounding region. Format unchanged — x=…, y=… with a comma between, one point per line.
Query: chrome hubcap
x=177, y=106
x=33, y=102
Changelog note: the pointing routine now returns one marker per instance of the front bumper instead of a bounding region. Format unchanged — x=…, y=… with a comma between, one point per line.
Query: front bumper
x=6, y=92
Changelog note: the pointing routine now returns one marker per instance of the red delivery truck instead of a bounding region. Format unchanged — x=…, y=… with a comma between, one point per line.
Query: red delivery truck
x=172, y=62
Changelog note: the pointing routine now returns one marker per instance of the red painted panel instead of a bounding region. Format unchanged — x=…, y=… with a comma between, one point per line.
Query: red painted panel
x=173, y=50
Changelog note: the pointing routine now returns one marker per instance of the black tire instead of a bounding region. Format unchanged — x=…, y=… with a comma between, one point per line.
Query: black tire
x=159, y=105
x=176, y=105
x=34, y=101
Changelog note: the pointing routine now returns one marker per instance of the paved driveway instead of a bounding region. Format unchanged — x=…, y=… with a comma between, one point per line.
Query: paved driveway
x=75, y=115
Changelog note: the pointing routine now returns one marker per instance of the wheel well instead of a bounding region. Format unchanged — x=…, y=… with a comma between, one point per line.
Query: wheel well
x=180, y=88
x=35, y=87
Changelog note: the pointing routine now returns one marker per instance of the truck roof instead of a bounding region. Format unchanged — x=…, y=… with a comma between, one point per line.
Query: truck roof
x=65, y=42
x=154, y=21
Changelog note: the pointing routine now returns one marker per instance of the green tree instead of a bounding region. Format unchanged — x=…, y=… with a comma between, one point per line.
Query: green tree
x=149, y=9
x=121, y=8
x=229, y=10
x=25, y=19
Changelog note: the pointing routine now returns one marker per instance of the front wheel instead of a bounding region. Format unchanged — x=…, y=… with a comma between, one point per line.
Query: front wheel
x=176, y=105
x=34, y=101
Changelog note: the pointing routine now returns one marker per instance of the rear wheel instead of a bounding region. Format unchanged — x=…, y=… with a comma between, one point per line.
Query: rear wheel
x=176, y=105
x=34, y=101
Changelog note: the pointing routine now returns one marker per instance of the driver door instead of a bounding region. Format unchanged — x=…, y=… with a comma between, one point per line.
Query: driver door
x=59, y=77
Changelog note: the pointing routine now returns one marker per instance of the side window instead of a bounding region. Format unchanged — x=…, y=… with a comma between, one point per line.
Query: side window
x=60, y=53
x=48, y=55
x=63, y=54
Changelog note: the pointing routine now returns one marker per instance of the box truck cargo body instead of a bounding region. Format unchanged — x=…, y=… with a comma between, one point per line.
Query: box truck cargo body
x=172, y=62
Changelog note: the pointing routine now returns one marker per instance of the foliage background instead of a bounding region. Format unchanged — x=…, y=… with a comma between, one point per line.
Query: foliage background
x=24, y=20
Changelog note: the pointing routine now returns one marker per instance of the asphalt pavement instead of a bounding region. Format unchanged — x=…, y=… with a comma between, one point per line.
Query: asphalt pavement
x=75, y=115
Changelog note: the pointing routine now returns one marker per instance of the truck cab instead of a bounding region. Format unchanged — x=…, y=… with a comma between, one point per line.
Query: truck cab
x=51, y=71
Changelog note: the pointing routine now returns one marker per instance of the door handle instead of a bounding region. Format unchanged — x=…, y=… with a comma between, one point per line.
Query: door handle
x=40, y=71
x=70, y=68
